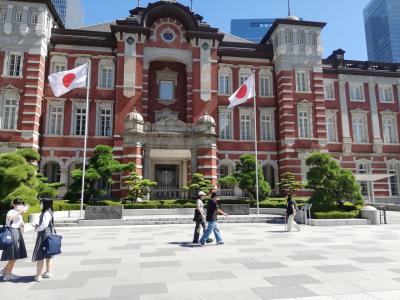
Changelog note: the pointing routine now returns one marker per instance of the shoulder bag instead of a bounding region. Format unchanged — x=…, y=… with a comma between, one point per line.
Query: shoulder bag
x=52, y=244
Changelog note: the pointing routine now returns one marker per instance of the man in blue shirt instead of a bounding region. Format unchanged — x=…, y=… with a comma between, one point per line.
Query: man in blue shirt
x=212, y=214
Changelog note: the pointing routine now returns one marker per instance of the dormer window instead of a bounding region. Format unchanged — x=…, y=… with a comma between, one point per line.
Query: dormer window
x=314, y=39
x=3, y=14
x=289, y=37
x=34, y=17
x=18, y=16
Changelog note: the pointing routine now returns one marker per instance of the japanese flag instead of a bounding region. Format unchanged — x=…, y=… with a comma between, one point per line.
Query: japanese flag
x=245, y=92
x=63, y=82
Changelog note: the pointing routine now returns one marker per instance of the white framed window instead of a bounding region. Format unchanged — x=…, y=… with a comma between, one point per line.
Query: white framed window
x=289, y=37
x=363, y=168
x=166, y=90
x=304, y=121
x=56, y=119
x=386, y=94
x=59, y=67
x=302, y=81
x=18, y=16
x=80, y=61
x=34, y=19
x=360, y=128
x=224, y=84
x=79, y=122
x=243, y=77
x=265, y=86
x=104, y=119
x=267, y=125
x=389, y=125
x=393, y=169
x=357, y=92
x=331, y=127
x=9, y=116
x=246, y=128
x=301, y=38
x=107, y=77
x=314, y=39
x=3, y=14
x=329, y=90
x=14, y=64
x=225, y=124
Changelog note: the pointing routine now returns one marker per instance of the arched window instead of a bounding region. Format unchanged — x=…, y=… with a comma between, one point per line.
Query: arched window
x=73, y=166
x=52, y=172
x=269, y=175
x=223, y=171
x=393, y=169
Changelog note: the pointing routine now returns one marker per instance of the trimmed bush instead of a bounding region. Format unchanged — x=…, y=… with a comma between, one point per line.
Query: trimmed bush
x=337, y=214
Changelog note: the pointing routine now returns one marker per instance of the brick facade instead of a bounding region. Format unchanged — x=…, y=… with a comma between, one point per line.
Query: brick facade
x=167, y=44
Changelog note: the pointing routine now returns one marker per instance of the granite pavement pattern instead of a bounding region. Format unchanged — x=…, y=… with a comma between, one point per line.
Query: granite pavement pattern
x=259, y=261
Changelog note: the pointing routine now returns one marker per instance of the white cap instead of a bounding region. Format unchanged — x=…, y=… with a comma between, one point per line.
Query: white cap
x=201, y=193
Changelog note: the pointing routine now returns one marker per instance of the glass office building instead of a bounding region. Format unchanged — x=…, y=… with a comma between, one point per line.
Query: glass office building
x=70, y=12
x=382, y=28
x=251, y=29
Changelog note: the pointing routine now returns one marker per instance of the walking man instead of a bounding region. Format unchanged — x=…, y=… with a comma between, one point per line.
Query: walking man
x=200, y=218
x=291, y=209
x=212, y=212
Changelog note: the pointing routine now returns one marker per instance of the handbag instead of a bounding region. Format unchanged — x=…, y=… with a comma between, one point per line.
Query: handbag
x=6, y=239
x=52, y=243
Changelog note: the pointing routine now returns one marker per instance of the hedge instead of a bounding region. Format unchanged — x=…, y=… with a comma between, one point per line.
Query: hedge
x=337, y=214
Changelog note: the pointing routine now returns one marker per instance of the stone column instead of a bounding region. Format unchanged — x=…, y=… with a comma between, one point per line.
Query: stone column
x=347, y=141
x=376, y=126
x=147, y=163
x=194, y=161
x=184, y=173
x=63, y=179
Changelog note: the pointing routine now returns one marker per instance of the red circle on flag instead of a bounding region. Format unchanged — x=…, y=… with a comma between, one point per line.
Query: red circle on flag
x=68, y=79
x=242, y=91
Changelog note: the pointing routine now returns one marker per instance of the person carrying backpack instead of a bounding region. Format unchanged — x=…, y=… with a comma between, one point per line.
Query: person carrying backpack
x=17, y=250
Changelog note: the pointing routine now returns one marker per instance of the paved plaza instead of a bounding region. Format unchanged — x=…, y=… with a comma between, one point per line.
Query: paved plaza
x=259, y=261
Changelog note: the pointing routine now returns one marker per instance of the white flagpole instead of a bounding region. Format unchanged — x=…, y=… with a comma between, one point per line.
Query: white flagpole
x=255, y=141
x=86, y=134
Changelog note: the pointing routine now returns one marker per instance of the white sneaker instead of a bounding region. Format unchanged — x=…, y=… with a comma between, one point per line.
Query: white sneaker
x=10, y=277
x=38, y=278
x=2, y=272
x=47, y=275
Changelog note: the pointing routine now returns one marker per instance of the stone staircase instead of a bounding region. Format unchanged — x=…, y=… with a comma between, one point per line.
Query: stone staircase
x=162, y=219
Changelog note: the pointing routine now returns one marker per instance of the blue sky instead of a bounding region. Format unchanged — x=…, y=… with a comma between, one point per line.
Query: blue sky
x=344, y=18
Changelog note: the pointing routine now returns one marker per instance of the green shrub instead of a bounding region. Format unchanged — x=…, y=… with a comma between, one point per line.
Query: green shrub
x=337, y=214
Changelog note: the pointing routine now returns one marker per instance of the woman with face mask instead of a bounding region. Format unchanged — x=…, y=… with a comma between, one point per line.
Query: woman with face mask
x=44, y=229
x=17, y=250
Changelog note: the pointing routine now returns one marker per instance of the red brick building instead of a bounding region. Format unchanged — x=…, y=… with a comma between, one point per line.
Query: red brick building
x=159, y=92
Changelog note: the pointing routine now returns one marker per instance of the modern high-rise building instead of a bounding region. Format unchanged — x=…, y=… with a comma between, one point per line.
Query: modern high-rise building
x=251, y=29
x=70, y=12
x=382, y=28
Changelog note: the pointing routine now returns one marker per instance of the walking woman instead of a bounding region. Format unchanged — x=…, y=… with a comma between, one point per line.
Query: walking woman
x=17, y=250
x=44, y=229
x=291, y=209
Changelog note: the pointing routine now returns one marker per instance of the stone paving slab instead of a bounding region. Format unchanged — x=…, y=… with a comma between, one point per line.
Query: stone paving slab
x=259, y=261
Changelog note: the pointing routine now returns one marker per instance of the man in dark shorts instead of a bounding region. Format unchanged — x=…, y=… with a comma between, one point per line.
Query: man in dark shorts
x=212, y=214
